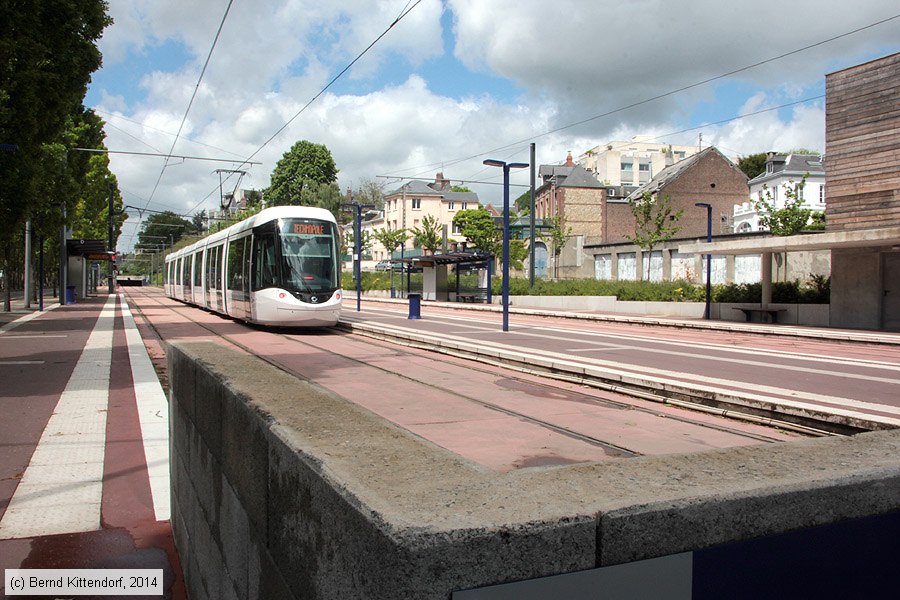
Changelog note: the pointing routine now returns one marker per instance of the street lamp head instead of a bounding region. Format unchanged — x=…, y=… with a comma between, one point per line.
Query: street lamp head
x=518, y=165
x=703, y=204
x=493, y=163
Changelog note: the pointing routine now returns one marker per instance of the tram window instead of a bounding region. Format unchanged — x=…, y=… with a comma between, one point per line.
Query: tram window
x=265, y=265
x=235, y=265
x=212, y=259
x=186, y=270
x=309, y=263
x=198, y=271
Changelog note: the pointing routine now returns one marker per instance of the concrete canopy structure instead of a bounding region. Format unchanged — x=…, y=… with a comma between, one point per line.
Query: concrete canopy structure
x=862, y=120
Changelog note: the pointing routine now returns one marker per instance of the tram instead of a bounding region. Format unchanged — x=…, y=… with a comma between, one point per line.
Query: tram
x=280, y=267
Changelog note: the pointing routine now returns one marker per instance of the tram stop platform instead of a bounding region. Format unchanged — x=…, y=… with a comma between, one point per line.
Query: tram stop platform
x=84, y=475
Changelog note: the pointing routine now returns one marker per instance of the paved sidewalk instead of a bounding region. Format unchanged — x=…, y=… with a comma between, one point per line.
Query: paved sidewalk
x=83, y=443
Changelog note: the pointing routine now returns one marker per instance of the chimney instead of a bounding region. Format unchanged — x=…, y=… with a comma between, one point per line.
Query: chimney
x=670, y=157
x=440, y=182
x=569, y=161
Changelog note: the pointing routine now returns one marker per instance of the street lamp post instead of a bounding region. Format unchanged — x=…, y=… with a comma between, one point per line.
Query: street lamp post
x=357, y=247
x=708, y=207
x=505, y=283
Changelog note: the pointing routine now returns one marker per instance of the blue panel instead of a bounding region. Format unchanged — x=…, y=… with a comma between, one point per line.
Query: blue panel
x=851, y=559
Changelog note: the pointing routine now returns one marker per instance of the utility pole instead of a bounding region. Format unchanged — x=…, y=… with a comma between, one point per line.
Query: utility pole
x=357, y=247
x=531, y=223
x=110, y=279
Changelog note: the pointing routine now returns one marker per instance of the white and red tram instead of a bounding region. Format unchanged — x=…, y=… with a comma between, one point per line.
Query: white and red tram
x=279, y=267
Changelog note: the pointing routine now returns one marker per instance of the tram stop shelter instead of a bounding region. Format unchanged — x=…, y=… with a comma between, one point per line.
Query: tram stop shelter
x=436, y=284
x=82, y=254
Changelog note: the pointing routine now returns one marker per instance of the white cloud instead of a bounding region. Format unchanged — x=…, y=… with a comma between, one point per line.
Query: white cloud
x=571, y=60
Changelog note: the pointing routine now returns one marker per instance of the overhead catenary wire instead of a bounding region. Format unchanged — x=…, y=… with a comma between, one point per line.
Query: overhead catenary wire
x=654, y=98
x=190, y=103
x=334, y=79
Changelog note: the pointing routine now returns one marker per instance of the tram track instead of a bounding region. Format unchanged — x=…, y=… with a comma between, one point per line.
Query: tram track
x=508, y=376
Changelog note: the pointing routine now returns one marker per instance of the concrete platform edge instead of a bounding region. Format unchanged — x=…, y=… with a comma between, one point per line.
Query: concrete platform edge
x=332, y=501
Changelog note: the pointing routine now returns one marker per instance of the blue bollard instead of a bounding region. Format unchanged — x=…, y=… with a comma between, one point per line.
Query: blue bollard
x=415, y=304
x=70, y=294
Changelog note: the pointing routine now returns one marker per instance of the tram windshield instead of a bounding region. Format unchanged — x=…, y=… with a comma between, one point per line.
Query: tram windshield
x=309, y=256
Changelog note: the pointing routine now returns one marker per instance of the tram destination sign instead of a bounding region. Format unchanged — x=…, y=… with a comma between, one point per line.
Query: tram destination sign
x=100, y=256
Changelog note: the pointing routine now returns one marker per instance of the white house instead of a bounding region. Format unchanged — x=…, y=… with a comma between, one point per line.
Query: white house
x=623, y=166
x=783, y=172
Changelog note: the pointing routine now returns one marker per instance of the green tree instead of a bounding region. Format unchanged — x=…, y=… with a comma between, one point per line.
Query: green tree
x=478, y=227
x=523, y=204
x=370, y=192
x=460, y=188
x=300, y=175
x=47, y=54
x=753, y=165
x=91, y=181
x=430, y=235
x=790, y=219
x=391, y=239
x=654, y=222
x=557, y=235
x=198, y=221
x=164, y=228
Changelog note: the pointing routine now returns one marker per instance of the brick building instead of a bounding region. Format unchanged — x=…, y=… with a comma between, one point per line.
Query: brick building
x=705, y=177
x=570, y=191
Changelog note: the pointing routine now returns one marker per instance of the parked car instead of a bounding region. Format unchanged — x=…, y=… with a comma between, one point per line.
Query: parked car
x=384, y=265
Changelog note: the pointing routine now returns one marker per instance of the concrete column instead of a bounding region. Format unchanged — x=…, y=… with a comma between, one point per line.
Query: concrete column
x=729, y=269
x=765, y=278
x=667, y=265
x=639, y=264
x=614, y=266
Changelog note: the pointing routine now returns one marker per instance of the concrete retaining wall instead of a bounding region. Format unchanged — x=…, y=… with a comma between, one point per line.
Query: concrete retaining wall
x=284, y=490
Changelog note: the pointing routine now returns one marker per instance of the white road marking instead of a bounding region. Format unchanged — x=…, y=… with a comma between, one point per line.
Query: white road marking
x=26, y=318
x=617, y=370
x=62, y=488
x=543, y=332
x=153, y=410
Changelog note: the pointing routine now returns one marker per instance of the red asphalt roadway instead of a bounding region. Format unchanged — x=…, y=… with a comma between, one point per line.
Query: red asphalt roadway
x=37, y=358
x=497, y=418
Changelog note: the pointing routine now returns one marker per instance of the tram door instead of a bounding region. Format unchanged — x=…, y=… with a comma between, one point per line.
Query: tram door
x=237, y=289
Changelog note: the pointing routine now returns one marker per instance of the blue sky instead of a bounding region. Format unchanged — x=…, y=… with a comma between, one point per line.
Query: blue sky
x=455, y=79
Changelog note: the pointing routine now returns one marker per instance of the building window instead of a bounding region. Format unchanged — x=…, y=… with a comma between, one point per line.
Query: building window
x=465, y=205
x=416, y=203
x=821, y=194
x=627, y=166
x=644, y=167
x=456, y=230
x=451, y=205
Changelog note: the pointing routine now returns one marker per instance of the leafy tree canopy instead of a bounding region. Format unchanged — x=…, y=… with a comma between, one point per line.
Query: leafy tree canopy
x=753, y=165
x=164, y=228
x=523, y=203
x=460, y=188
x=300, y=175
x=790, y=219
x=429, y=236
x=654, y=221
x=370, y=192
x=478, y=227
x=48, y=52
x=391, y=239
